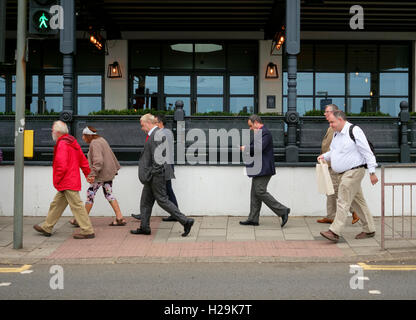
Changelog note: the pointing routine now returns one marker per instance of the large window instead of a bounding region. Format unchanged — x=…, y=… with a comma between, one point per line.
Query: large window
x=207, y=77
x=2, y=93
x=89, y=94
x=357, y=77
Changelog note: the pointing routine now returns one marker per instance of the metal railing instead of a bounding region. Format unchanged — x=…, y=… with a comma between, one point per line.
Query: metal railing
x=402, y=217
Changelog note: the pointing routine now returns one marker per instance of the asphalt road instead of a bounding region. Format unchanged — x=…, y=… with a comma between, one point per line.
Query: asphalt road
x=206, y=281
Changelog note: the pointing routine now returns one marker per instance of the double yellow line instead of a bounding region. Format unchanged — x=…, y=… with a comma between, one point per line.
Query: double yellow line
x=387, y=267
x=11, y=270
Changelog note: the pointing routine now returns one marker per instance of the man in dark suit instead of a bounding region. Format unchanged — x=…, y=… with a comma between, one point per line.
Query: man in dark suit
x=262, y=176
x=152, y=175
x=169, y=172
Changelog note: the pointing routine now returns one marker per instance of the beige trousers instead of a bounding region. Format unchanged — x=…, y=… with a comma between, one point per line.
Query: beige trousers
x=350, y=194
x=58, y=205
x=331, y=201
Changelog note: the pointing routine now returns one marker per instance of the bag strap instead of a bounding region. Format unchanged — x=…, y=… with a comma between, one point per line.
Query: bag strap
x=351, y=133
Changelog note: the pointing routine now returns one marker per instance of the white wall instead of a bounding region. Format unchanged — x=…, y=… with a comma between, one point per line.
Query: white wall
x=116, y=90
x=269, y=87
x=200, y=190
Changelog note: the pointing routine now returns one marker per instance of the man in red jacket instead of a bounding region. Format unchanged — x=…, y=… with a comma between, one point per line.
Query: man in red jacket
x=67, y=160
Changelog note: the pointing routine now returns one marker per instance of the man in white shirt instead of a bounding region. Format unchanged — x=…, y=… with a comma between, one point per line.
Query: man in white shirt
x=349, y=160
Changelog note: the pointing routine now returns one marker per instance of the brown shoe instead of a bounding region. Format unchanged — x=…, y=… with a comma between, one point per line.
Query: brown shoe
x=325, y=220
x=40, y=230
x=84, y=236
x=364, y=235
x=330, y=235
x=355, y=218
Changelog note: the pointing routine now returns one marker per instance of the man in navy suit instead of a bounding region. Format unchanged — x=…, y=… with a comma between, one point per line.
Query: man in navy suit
x=261, y=177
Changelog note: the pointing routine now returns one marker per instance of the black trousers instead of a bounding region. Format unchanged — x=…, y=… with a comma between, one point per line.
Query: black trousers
x=156, y=191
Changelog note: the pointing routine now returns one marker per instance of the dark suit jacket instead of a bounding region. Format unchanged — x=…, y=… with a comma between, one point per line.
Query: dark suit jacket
x=267, y=166
x=148, y=167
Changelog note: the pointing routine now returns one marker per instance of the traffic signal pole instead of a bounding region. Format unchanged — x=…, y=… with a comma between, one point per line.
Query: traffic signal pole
x=19, y=123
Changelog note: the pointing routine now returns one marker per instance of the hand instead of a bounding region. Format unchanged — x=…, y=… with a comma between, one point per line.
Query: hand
x=321, y=158
x=373, y=179
x=242, y=148
x=90, y=179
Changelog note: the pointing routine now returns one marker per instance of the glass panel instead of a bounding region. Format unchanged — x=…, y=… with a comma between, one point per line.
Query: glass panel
x=178, y=56
x=359, y=83
x=144, y=84
x=244, y=104
x=394, y=58
x=88, y=58
x=321, y=102
x=358, y=105
x=241, y=85
x=177, y=85
x=54, y=104
x=302, y=105
x=304, y=83
x=362, y=58
x=243, y=57
x=394, y=84
x=209, y=104
x=209, y=56
x=54, y=84
x=2, y=104
x=35, y=84
x=144, y=55
x=88, y=104
x=34, y=105
x=89, y=84
x=330, y=57
x=14, y=84
x=145, y=102
x=2, y=84
x=330, y=83
x=170, y=104
x=391, y=105
x=210, y=84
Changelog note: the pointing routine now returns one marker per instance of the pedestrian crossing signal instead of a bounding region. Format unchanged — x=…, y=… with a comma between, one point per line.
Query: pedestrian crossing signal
x=40, y=17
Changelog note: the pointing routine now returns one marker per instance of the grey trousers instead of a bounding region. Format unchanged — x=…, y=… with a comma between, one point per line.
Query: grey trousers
x=156, y=191
x=259, y=195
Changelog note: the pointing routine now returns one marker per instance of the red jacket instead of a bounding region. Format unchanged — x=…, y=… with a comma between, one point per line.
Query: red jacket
x=68, y=158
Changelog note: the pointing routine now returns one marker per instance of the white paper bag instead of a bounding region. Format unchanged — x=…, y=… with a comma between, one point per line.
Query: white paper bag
x=324, y=180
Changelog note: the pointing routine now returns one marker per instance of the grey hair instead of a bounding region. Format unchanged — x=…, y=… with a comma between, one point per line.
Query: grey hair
x=60, y=126
x=333, y=107
x=148, y=118
x=255, y=117
x=340, y=115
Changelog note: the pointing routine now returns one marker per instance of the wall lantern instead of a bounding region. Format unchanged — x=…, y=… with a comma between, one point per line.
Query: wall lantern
x=271, y=71
x=114, y=70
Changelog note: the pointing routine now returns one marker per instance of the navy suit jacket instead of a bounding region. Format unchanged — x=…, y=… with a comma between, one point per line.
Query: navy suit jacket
x=267, y=166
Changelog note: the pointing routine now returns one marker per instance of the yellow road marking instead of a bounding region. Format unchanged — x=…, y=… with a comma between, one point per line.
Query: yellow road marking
x=10, y=270
x=387, y=267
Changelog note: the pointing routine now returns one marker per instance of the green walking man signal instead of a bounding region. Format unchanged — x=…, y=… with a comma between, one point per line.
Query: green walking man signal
x=42, y=20
x=45, y=17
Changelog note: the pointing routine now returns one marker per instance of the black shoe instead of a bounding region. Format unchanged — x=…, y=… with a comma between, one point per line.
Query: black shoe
x=187, y=227
x=140, y=231
x=137, y=216
x=285, y=217
x=249, y=223
x=170, y=218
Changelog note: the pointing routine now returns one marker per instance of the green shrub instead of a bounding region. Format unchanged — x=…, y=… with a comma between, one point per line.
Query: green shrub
x=315, y=113
x=129, y=112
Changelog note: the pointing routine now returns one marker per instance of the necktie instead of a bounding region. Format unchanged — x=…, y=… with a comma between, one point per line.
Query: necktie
x=147, y=137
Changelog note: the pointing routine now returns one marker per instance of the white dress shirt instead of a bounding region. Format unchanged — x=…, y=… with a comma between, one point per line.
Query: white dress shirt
x=346, y=154
x=151, y=130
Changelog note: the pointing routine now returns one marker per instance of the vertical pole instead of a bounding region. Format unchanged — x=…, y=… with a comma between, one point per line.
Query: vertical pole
x=67, y=47
x=382, y=208
x=404, y=120
x=19, y=124
x=292, y=50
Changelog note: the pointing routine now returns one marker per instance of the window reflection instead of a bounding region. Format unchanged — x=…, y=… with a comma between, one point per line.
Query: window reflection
x=177, y=85
x=170, y=104
x=242, y=104
x=241, y=85
x=331, y=83
x=210, y=84
x=394, y=84
x=391, y=105
x=88, y=104
x=209, y=104
x=89, y=84
x=54, y=84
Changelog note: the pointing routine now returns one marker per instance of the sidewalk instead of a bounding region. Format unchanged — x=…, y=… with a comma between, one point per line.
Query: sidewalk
x=212, y=239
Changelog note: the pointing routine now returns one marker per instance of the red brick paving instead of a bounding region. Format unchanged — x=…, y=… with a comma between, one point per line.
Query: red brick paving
x=118, y=242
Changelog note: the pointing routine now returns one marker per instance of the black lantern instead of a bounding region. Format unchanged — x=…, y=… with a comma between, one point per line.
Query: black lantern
x=271, y=71
x=114, y=70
